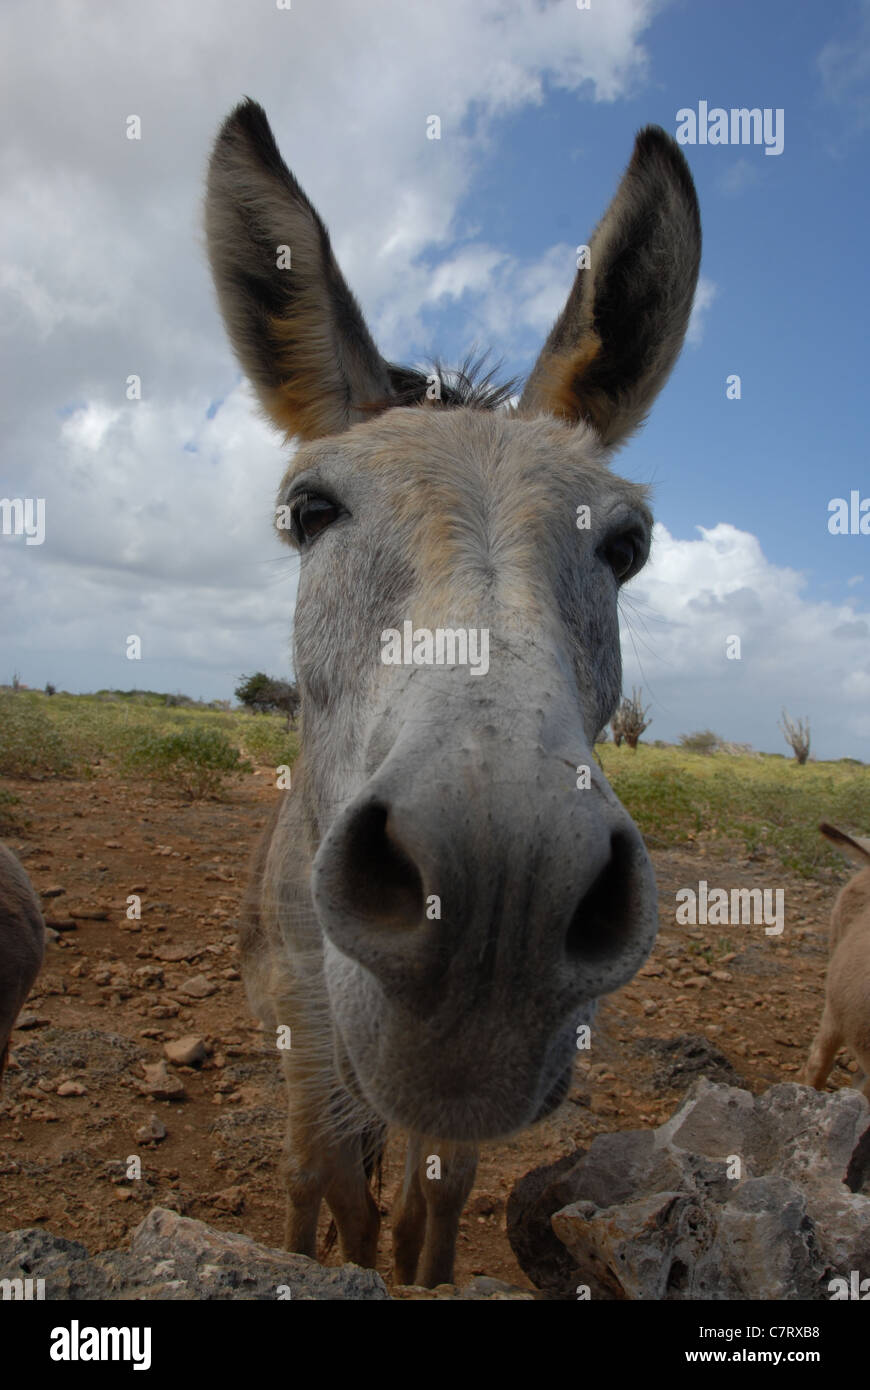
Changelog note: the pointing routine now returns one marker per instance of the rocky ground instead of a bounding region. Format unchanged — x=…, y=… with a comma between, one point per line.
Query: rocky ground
x=137, y=1042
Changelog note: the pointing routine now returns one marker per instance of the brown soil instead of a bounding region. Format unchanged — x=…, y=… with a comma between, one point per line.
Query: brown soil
x=757, y=999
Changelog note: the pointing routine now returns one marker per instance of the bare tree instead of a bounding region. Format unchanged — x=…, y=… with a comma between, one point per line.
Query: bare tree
x=797, y=735
x=630, y=720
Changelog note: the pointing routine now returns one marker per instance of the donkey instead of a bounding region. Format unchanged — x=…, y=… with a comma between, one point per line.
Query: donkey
x=846, y=1017
x=22, y=944
x=441, y=898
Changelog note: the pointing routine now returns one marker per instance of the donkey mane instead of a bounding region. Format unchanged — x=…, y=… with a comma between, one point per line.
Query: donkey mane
x=469, y=385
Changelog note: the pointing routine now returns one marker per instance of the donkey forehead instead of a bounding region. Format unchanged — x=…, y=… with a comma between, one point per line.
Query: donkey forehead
x=441, y=462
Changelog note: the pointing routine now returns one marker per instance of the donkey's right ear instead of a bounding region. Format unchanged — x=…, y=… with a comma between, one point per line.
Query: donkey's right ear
x=855, y=847
x=296, y=328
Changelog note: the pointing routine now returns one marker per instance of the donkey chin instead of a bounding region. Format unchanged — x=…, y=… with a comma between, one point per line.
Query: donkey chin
x=482, y=1073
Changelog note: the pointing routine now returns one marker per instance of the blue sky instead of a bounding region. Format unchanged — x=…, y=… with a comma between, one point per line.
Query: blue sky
x=158, y=513
x=785, y=245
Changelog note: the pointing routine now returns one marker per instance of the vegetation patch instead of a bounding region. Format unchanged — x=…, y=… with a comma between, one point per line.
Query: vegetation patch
x=30, y=743
x=763, y=804
x=197, y=761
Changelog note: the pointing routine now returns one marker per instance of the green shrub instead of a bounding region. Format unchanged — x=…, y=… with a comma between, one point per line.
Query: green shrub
x=268, y=742
x=665, y=807
x=12, y=820
x=197, y=761
x=762, y=804
x=30, y=744
x=702, y=741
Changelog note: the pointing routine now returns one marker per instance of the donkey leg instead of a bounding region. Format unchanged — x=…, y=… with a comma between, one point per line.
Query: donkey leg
x=445, y=1198
x=861, y=1049
x=319, y=1161
x=308, y=1154
x=823, y=1051
x=352, y=1203
x=305, y=1170
x=409, y=1223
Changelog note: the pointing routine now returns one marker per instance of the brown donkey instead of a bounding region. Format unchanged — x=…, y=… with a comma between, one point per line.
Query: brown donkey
x=22, y=944
x=451, y=884
x=846, y=1018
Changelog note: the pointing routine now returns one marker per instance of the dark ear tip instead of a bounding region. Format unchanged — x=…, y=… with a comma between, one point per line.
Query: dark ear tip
x=653, y=146
x=653, y=136
x=248, y=115
x=249, y=123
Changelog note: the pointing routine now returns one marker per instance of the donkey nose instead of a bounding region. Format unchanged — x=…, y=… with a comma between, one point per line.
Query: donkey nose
x=369, y=874
x=368, y=885
x=560, y=893
x=609, y=931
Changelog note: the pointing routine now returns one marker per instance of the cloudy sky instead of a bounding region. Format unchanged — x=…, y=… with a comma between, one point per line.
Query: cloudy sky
x=158, y=511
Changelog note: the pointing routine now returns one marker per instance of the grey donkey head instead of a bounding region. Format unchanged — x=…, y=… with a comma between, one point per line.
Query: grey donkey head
x=475, y=895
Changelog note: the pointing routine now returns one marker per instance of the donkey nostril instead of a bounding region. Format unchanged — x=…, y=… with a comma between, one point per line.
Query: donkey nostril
x=380, y=881
x=601, y=925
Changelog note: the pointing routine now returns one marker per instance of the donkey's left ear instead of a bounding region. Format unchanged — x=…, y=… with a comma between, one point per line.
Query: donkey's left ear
x=620, y=333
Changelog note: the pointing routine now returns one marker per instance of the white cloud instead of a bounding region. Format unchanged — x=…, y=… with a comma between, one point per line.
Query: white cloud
x=158, y=517
x=811, y=656
x=470, y=270
x=740, y=175
x=705, y=293
x=844, y=68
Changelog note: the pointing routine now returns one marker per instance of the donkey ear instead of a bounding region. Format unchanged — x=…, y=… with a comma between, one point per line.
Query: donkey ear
x=855, y=847
x=296, y=328
x=620, y=333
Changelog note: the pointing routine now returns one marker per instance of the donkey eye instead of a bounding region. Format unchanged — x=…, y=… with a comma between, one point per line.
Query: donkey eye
x=624, y=554
x=311, y=515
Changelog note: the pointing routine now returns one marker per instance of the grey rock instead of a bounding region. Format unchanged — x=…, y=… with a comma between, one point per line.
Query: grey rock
x=734, y=1197
x=173, y=1257
x=30, y=1020
x=766, y=1245
x=638, y=1249
x=67, y=1268
x=538, y=1249
x=208, y=1263
x=481, y=1289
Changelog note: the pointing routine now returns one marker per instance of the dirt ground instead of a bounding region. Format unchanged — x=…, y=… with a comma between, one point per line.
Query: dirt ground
x=114, y=991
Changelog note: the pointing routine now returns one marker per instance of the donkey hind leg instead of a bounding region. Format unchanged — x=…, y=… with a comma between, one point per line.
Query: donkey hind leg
x=826, y=1044
x=861, y=1048
x=433, y=1196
